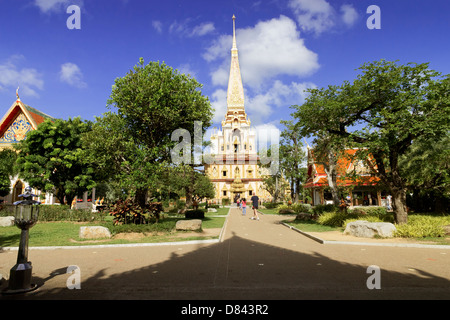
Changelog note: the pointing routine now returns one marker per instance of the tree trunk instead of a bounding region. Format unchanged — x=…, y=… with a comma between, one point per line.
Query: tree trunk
x=330, y=170
x=297, y=190
x=141, y=197
x=189, y=198
x=399, y=206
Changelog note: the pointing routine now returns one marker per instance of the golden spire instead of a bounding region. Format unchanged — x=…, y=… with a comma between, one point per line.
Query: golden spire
x=235, y=94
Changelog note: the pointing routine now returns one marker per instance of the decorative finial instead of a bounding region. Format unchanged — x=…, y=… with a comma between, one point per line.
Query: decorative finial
x=234, y=32
x=17, y=93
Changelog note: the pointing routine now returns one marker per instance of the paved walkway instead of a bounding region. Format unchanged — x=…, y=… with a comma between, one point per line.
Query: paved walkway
x=255, y=260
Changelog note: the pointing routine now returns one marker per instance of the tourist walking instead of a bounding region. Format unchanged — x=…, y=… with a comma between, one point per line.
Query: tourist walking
x=255, y=201
x=244, y=206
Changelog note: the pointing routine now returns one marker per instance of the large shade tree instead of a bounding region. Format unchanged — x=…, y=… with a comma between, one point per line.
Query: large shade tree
x=151, y=102
x=383, y=112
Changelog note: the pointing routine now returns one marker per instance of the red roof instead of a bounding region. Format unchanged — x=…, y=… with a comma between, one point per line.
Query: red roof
x=34, y=116
x=347, y=163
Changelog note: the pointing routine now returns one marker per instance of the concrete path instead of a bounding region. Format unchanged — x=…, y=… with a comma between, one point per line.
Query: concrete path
x=255, y=260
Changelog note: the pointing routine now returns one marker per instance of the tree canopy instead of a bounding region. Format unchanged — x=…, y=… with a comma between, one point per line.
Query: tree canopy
x=134, y=143
x=383, y=111
x=51, y=159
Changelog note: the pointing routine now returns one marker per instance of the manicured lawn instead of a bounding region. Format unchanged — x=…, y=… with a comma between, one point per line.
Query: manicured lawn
x=265, y=211
x=66, y=233
x=311, y=226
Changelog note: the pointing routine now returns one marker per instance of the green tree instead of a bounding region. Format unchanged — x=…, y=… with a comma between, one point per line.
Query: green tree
x=118, y=161
x=382, y=112
x=426, y=168
x=152, y=101
x=292, y=158
x=7, y=170
x=51, y=159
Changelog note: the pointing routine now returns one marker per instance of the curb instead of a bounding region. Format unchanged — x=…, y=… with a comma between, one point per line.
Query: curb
x=405, y=245
x=125, y=245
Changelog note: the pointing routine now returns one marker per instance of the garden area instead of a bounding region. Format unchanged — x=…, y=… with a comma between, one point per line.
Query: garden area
x=429, y=226
x=58, y=225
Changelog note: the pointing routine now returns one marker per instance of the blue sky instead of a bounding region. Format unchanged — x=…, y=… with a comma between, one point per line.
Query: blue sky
x=285, y=46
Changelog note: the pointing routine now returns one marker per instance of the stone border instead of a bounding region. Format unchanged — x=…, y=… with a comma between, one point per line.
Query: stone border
x=220, y=239
x=410, y=245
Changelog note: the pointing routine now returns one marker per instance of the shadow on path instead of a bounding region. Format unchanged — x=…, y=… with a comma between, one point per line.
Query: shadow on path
x=239, y=268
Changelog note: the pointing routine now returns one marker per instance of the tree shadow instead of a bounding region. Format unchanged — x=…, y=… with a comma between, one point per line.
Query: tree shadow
x=241, y=269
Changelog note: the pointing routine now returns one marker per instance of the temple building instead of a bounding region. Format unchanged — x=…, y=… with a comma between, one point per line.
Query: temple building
x=354, y=178
x=18, y=121
x=235, y=170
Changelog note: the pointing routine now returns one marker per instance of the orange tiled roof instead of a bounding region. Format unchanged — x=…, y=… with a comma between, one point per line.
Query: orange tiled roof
x=317, y=176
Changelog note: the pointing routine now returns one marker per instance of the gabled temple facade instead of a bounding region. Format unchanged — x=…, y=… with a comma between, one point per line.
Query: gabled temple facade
x=235, y=170
x=18, y=121
x=352, y=174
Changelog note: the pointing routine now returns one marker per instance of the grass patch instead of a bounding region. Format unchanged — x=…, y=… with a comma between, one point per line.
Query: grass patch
x=65, y=233
x=311, y=226
x=264, y=211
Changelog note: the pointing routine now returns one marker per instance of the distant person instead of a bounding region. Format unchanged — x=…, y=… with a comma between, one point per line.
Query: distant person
x=244, y=206
x=389, y=202
x=255, y=202
x=238, y=202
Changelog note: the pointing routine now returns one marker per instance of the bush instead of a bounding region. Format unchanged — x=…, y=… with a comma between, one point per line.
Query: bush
x=421, y=226
x=64, y=213
x=335, y=218
x=372, y=211
x=321, y=208
x=284, y=208
x=302, y=208
x=127, y=211
x=272, y=205
x=339, y=218
x=195, y=214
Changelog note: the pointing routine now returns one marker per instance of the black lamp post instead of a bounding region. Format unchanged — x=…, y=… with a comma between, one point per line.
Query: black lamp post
x=26, y=216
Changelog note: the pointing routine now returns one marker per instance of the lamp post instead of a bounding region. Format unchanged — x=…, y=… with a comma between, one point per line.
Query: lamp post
x=26, y=216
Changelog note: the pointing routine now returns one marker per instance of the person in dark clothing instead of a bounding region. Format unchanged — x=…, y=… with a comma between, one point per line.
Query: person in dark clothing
x=255, y=201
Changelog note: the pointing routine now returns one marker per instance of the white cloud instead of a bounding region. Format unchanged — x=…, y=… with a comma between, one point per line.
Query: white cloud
x=349, y=14
x=157, y=25
x=219, y=104
x=313, y=15
x=71, y=74
x=28, y=79
x=203, y=29
x=263, y=104
x=319, y=16
x=269, y=49
x=187, y=70
x=48, y=6
x=184, y=29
